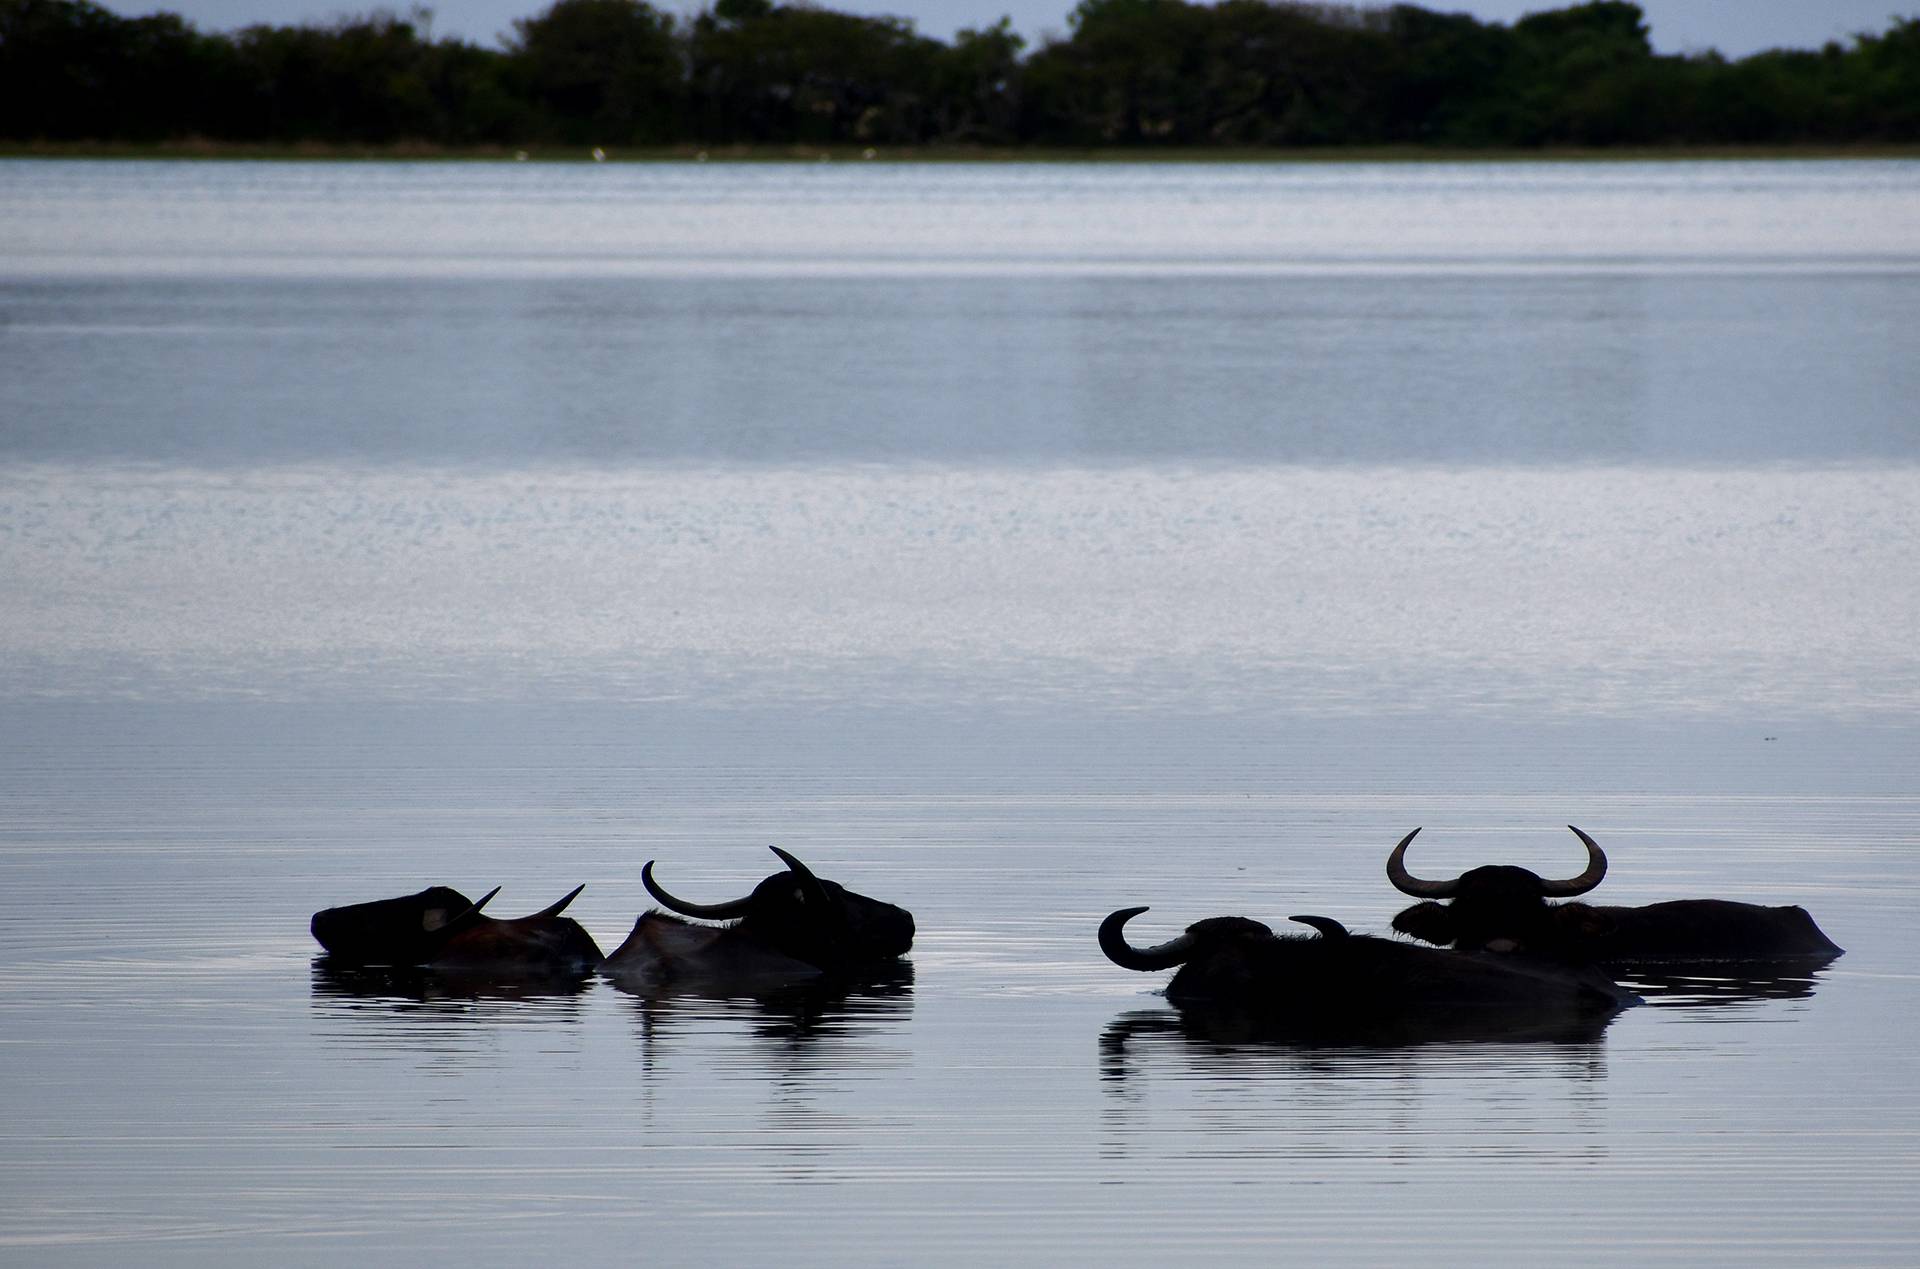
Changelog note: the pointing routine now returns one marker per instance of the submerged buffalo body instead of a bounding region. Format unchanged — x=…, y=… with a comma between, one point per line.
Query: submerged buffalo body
x=792, y=926
x=439, y=928
x=1334, y=979
x=1506, y=908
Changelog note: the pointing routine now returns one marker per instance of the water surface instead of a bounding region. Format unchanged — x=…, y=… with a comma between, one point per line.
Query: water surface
x=1016, y=543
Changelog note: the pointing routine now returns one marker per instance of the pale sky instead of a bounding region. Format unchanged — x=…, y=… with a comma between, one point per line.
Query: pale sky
x=1735, y=27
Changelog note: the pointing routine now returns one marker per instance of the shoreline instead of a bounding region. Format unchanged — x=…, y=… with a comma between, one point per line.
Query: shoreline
x=417, y=152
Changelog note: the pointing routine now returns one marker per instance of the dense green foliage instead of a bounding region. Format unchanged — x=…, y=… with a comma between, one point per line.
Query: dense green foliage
x=1138, y=73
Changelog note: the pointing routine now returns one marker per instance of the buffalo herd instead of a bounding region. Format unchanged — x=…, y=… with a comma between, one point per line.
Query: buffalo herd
x=1495, y=956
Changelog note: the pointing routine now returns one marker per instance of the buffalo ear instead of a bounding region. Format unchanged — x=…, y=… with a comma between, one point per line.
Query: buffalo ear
x=1584, y=920
x=1429, y=922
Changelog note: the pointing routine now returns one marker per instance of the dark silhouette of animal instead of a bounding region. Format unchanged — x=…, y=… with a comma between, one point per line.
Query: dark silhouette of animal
x=1206, y=1028
x=793, y=925
x=439, y=928
x=1499, y=907
x=1333, y=982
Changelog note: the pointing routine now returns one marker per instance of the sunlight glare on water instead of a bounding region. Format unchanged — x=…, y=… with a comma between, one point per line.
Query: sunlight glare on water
x=546, y=220
x=1571, y=591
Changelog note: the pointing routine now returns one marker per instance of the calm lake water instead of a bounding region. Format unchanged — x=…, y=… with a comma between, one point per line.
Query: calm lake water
x=1013, y=542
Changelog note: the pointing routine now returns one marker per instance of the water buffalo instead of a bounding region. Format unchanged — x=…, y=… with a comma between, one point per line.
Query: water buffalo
x=1500, y=907
x=1334, y=983
x=439, y=928
x=792, y=926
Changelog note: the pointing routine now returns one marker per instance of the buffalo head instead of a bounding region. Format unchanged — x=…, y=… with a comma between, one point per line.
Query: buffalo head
x=1499, y=907
x=440, y=929
x=797, y=915
x=1220, y=958
x=404, y=931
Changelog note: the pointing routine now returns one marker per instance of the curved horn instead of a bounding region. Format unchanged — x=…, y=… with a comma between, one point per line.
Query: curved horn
x=816, y=894
x=561, y=906
x=1406, y=883
x=1596, y=870
x=1113, y=941
x=705, y=911
x=454, y=924
x=1328, y=927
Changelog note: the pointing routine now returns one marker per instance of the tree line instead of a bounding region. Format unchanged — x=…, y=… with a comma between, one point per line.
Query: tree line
x=1129, y=73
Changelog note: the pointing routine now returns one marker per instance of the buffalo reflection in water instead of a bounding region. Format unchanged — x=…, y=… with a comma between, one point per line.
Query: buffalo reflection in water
x=794, y=1016
x=1224, y=1041
x=403, y=987
x=1706, y=985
